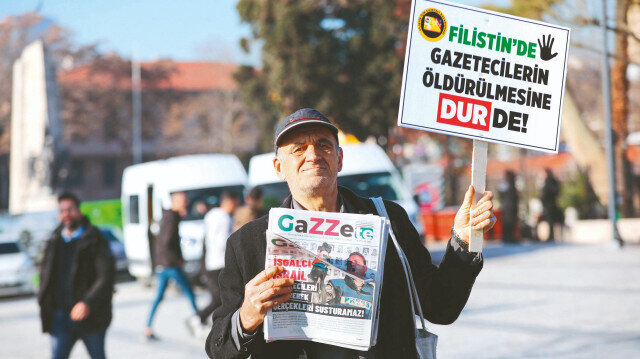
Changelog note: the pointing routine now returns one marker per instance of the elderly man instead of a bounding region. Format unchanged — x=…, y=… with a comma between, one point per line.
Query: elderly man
x=309, y=158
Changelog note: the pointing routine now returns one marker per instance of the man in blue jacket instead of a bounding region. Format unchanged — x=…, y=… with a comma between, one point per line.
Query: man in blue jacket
x=309, y=158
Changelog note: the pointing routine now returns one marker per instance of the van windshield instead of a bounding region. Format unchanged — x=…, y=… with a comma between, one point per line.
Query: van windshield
x=203, y=199
x=9, y=248
x=380, y=184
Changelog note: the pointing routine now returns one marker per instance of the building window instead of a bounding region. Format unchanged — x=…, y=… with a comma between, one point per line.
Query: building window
x=109, y=173
x=76, y=173
x=134, y=216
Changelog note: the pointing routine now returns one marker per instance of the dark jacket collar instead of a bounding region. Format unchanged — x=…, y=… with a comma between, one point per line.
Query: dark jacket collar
x=85, y=238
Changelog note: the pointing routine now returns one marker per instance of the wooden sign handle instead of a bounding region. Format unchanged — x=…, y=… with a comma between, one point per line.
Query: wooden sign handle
x=478, y=181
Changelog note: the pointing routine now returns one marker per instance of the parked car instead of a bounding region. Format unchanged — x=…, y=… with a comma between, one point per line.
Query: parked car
x=17, y=271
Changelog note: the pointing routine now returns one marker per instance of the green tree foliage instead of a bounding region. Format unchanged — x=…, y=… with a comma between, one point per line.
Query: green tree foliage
x=342, y=57
x=577, y=192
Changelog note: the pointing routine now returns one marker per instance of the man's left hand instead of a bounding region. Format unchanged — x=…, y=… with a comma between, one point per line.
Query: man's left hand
x=79, y=312
x=480, y=219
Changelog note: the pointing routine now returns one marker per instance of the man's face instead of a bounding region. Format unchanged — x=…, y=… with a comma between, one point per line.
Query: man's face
x=229, y=204
x=179, y=202
x=309, y=159
x=201, y=208
x=68, y=213
x=357, y=266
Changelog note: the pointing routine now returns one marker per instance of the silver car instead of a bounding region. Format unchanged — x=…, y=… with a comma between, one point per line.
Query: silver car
x=17, y=271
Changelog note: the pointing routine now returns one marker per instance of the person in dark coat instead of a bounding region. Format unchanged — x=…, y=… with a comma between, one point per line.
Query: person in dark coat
x=309, y=158
x=168, y=261
x=509, y=206
x=76, y=283
x=551, y=213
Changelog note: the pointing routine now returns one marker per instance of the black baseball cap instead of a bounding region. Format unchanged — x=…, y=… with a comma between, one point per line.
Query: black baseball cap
x=304, y=116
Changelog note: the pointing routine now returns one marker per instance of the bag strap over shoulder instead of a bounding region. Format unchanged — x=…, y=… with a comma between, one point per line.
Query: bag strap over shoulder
x=413, y=293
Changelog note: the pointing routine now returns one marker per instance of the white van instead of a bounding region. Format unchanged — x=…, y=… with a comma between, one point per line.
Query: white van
x=366, y=170
x=146, y=190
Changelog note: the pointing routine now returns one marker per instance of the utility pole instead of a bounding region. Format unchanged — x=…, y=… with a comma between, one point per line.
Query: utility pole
x=136, y=111
x=608, y=133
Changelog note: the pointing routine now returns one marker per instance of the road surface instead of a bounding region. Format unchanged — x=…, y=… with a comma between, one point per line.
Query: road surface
x=530, y=301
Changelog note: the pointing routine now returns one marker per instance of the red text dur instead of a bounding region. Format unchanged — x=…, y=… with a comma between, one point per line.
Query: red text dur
x=464, y=112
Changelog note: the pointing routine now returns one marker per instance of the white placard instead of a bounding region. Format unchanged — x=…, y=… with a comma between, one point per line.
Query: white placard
x=484, y=75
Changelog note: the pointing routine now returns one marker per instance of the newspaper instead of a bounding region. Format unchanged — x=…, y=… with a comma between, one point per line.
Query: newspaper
x=336, y=260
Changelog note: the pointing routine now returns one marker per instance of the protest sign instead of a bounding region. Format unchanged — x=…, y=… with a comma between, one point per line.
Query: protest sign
x=484, y=75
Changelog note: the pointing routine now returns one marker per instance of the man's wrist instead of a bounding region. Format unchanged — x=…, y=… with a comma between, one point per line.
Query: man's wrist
x=455, y=232
x=455, y=237
x=461, y=249
x=241, y=339
x=245, y=326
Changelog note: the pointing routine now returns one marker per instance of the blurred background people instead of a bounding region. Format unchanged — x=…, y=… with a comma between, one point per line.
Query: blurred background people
x=199, y=209
x=509, y=206
x=169, y=260
x=253, y=209
x=76, y=283
x=551, y=213
x=218, y=224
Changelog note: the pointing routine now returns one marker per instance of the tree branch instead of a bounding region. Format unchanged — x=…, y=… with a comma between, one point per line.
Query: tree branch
x=618, y=29
x=599, y=51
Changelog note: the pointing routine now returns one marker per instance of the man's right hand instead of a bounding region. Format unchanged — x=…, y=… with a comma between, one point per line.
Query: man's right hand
x=261, y=294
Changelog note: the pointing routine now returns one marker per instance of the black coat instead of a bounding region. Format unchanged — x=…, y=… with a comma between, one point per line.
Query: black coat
x=166, y=250
x=92, y=273
x=443, y=290
x=550, y=192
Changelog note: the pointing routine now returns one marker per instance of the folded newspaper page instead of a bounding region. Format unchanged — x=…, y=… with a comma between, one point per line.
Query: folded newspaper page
x=336, y=260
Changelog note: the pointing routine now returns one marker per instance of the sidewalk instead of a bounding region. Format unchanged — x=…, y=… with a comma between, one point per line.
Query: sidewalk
x=550, y=301
x=530, y=301
x=20, y=335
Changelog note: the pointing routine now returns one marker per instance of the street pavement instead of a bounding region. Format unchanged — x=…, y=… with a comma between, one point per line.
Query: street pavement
x=530, y=301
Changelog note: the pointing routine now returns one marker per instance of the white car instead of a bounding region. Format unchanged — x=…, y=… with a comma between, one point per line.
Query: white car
x=17, y=271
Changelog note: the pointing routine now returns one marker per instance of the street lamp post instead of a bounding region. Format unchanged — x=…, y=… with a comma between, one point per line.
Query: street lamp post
x=606, y=100
x=136, y=111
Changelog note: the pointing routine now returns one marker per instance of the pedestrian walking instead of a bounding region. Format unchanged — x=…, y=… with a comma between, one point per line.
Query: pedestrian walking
x=168, y=260
x=509, y=206
x=551, y=213
x=76, y=283
x=253, y=209
x=218, y=224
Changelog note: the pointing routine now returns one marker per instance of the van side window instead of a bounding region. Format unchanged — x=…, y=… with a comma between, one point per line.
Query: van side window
x=134, y=216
